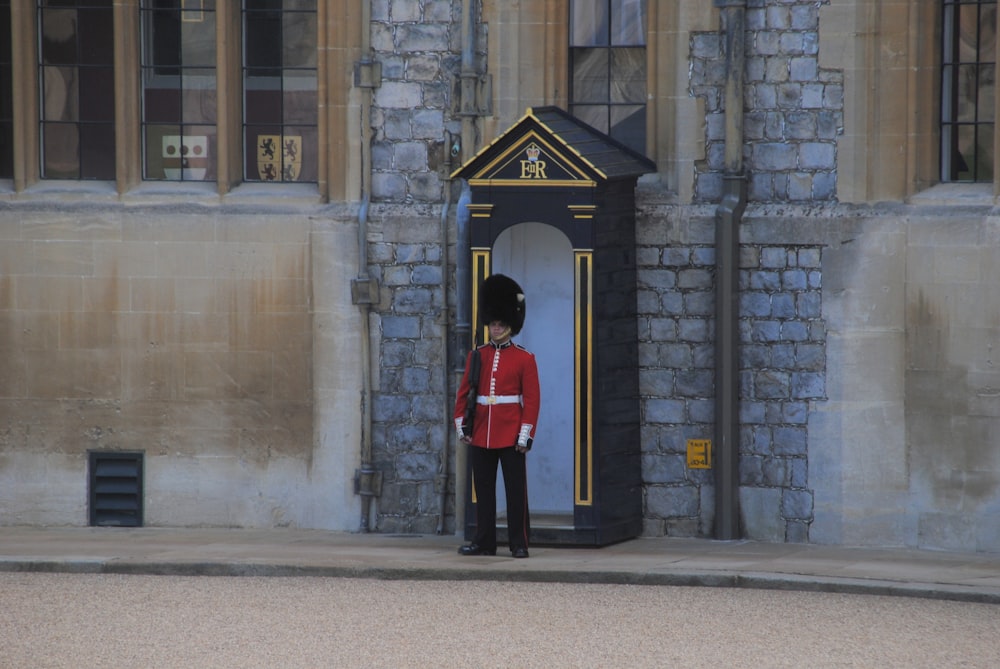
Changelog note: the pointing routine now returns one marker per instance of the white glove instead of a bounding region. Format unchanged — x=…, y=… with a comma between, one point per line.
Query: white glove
x=524, y=437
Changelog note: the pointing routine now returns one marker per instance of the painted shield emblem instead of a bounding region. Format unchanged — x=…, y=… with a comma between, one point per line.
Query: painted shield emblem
x=185, y=157
x=279, y=157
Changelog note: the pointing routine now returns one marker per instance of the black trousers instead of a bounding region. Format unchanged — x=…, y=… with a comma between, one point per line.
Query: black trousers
x=484, y=474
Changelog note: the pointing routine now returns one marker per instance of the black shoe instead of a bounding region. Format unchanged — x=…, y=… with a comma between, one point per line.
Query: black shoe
x=519, y=552
x=476, y=549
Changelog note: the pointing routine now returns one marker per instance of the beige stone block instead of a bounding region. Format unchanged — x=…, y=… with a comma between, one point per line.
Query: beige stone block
x=88, y=330
x=124, y=259
x=79, y=374
x=8, y=292
x=151, y=375
x=202, y=332
x=106, y=294
x=243, y=260
x=293, y=376
x=49, y=293
x=228, y=375
x=17, y=257
x=169, y=228
x=291, y=261
x=150, y=330
x=61, y=258
x=267, y=230
x=280, y=295
x=13, y=375
x=270, y=332
x=100, y=226
x=151, y=294
x=195, y=295
x=38, y=331
x=184, y=259
x=234, y=295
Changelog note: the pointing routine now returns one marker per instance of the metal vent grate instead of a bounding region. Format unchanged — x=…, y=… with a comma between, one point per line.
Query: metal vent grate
x=116, y=488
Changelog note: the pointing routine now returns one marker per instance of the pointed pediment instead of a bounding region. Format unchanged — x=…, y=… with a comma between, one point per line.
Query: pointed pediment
x=548, y=147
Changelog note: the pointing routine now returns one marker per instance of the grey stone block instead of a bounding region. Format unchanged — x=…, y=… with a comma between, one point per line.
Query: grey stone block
x=789, y=440
x=760, y=512
x=672, y=501
x=771, y=384
x=797, y=504
x=401, y=327
x=664, y=411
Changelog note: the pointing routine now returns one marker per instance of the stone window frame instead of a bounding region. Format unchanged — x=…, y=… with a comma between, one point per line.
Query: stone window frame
x=890, y=146
x=533, y=70
x=340, y=46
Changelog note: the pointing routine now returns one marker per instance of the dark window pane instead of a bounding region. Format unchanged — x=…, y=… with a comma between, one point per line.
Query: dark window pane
x=984, y=153
x=97, y=151
x=262, y=106
x=298, y=52
x=161, y=105
x=628, y=75
x=61, y=149
x=95, y=47
x=299, y=100
x=628, y=22
x=262, y=45
x=589, y=22
x=58, y=39
x=596, y=116
x=98, y=102
x=590, y=75
x=628, y=126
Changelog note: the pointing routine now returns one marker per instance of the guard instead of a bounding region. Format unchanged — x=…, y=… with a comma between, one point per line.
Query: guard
x=495, y=413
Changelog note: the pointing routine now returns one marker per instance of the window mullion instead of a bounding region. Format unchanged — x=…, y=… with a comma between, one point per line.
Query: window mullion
x=128, y=158
x=229, y=47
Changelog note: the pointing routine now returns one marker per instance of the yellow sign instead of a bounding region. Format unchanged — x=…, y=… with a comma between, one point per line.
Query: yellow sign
x=699, y=453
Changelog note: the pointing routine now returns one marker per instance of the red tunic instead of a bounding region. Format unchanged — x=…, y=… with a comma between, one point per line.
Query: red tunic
x=506, y=372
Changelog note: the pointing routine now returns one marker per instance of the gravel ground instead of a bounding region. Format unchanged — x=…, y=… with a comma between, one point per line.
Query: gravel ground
x=90, y=621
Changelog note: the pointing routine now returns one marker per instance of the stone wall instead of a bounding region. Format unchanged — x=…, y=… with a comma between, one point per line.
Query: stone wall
x=182, y=332
x=794, y=107
x=412, y=399
x=782, y=371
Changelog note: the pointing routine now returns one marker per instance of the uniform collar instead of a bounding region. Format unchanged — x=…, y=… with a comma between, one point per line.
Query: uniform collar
x=509, y=342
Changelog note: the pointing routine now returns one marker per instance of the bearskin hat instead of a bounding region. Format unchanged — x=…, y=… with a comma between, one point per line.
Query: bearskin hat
x=501, y=299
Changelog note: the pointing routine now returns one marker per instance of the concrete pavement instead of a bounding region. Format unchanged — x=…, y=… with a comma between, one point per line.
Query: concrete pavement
x=972, y=577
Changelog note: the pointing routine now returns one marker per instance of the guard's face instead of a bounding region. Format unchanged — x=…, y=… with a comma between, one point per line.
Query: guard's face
x=499, y=331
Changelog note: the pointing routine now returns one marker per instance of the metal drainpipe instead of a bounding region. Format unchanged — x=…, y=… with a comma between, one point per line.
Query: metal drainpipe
x=442, y=481
x=367, y=481
x=728, y=217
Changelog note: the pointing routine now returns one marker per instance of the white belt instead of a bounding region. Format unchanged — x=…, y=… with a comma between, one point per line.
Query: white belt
x=499, y=399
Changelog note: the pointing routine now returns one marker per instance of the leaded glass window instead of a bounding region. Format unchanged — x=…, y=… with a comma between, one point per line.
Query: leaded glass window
x=968, y=89
x=280, y=140
x=179, y=90
x=76, y=77
x=608, y=67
